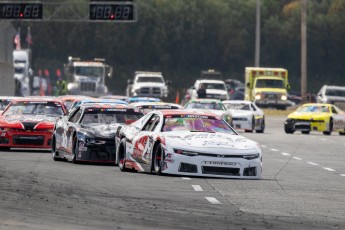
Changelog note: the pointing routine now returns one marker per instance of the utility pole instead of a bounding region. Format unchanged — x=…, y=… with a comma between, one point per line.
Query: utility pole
x=257, y=34
x=304, y=50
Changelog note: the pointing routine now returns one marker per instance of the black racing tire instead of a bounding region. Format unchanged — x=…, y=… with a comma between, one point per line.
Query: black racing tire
x=262, y=127
x=329, y=132
x=5, y=148
x=75, y=150
x=288, y=130
x=122, y=155
x=342, y=133
x=305, y=132
x=54, y=152
x=253, y=127
x=158, y=159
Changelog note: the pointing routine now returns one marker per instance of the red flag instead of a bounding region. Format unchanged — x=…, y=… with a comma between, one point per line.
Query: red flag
x=17, y=39
x=28, y=37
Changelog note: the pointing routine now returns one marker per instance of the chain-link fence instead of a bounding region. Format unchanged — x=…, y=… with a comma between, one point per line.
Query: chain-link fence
x=7, y=33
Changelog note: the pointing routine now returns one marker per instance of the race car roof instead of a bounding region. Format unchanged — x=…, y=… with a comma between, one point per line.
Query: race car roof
x=173, y=112
x=148, y=103
x=105, y=106
x=48, y=99
x=205, y=100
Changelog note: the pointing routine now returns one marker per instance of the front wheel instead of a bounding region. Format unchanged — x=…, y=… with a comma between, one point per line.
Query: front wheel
x=158, y=160
x=305, y=132
x=75, y=150
x=54, y=152
x=262, y=127
x=329, y=132
x=121, y=158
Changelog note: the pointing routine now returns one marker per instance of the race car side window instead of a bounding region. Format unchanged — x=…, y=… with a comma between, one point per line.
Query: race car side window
x=75, y=117
x=152, y=123
x=334, y=110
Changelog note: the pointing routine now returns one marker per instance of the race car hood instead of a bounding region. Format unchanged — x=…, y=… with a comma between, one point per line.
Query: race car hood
x=240, y=113
x=28, y=121
x=101, y=130
x=307, y=115
x=221, y=143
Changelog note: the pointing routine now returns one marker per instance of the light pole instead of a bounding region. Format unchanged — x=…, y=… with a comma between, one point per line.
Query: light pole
x=257, y=34
x=304, y=50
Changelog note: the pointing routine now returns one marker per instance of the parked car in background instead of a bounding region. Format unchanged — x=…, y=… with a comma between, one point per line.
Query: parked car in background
x=333, y=95
x=246, y=115
x=233, y=87
x=319, y=117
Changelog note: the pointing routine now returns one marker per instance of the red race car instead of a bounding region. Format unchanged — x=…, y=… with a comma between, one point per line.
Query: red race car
x=29, y=123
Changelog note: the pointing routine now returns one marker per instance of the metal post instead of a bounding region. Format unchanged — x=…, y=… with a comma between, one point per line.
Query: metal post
x=257, y=34
x=304, y=50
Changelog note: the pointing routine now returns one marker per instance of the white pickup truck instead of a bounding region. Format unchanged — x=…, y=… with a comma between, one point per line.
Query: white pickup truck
x=147, y=84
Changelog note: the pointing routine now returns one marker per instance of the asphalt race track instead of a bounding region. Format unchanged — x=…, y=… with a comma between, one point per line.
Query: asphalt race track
x=303, y=187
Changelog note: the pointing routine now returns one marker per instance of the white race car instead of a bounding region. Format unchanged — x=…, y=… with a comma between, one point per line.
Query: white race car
x=246, y=115
x=187, y=143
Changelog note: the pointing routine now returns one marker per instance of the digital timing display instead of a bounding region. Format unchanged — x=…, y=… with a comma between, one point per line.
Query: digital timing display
x=21, y=11
x=112, y=12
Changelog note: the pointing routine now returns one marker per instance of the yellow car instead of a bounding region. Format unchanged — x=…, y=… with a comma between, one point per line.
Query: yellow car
x=319, y=117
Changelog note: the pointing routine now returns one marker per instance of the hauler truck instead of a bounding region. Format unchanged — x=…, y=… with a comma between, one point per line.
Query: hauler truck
x=87, y=77
x=267, y=87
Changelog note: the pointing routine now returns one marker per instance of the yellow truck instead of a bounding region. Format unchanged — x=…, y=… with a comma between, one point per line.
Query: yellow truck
x=267, y=87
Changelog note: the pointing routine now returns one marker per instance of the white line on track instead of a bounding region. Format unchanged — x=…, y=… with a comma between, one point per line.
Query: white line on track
x=264, y=146
x=297, y=158
x=212, y=200
x=186, y=178
x=285, y=154
x=328, y=169
x=275, y=150
x=197, y=188
x=312, y=163
x=342, y=174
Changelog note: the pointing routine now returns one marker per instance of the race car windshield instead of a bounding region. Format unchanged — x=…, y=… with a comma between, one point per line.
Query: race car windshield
x=196, y=124
x=313, y=109
x=215, y=86
x=4, y=103
x=35, y=108
x=335, y=92
x=269, y=83
x=204, y=105
x=89, y=71
x=109, y=117
x=237, y=106
x=150, y=79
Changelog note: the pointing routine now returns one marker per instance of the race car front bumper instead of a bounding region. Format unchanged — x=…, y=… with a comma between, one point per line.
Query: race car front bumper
x=26, y=139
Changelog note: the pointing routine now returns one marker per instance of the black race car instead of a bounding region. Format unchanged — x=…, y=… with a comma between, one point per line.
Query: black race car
x=88, y=132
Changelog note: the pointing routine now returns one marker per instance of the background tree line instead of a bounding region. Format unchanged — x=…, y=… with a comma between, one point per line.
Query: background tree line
x=183, y=37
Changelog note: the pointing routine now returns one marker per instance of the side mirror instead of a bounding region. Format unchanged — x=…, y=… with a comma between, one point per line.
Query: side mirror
x=288, y=86
x=109, y=70
x=168, y=82
x=248, y=85
x=129, y=81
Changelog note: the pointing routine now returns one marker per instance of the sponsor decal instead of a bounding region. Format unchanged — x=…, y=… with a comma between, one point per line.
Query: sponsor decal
x=168, y=155
x=82, y=147
x=219, y=163
x=217, y=143
x=38, y=102
x=116, y=110
x=171, y=161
